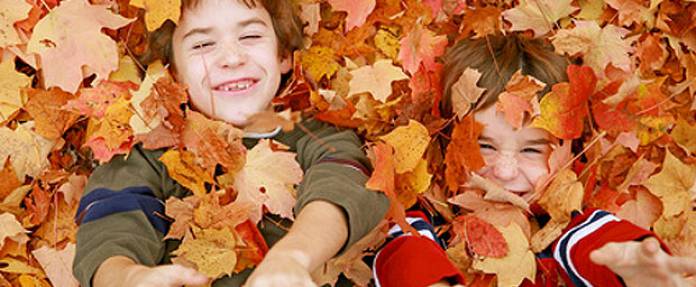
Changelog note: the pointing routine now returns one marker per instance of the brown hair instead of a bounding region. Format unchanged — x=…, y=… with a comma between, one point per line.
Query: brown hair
x=286, y=24
x=497, y=58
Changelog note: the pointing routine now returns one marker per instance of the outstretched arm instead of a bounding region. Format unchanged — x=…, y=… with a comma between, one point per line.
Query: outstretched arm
x=646, y=264
x=319, y=232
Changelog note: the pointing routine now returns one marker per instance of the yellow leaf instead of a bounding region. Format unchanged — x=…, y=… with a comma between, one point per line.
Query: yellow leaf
x=11, y=265
x=517, y=265
x=181, y=167
x=11, y=82
x=409, y=143
x=27, y=149
x=411, y=184
x=590, y=9
x=11, y=11
x=212, y=250
x=113, y=127
x=387, y=41
x=320, y=62
x=139, y=121
x=375, y=79
x=11, y=228
x=599, y=45
x=276, y=172
x=158, y=11
x=563, y=196
x=127, y=71
x=31, y=281
x=685, y=135
x=671, y=185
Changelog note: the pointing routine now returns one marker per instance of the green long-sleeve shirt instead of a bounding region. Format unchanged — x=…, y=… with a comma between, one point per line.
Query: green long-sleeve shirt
x=130, y=233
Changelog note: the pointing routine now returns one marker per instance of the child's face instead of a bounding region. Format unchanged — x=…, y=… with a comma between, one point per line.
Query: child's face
x=515, y=158
x=227, y=55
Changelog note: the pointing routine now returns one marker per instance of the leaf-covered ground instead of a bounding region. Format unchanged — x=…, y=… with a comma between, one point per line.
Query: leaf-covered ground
x=80, y=84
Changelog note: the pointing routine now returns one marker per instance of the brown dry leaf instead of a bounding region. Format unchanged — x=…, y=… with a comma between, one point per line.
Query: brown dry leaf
x=685, y=135
x=46, y=109
x=465, y=92
x=15, y=266
x=495, y=192
x=268, y=179
x=73, y=189
x=518, y=264
x=210, y=214
x=59, y=224
x=182, y=167
x=519, y=100
x=158, y=11
x=9, y=180
x=213, y=142
x=463, y=153
x=11, y=82
x=672, y=185
x=482, y=21
x=57, y=264
x=600, y=46
x=357, y=11
x=563, y=196
x=420, y=48
x=211, y=250
x=182, y=213
x=639, y=172
x=409, y=143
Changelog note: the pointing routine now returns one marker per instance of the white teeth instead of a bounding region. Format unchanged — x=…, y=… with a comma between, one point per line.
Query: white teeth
x=236, y=86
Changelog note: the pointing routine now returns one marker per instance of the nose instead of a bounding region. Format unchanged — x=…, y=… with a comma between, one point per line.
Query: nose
x=230, y=55
x=506, y=167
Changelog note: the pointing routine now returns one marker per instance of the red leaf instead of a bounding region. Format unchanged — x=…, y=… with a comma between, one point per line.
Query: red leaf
x=481, y=237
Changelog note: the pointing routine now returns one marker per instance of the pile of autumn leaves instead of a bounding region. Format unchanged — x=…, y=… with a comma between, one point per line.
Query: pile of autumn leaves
x=72, y=93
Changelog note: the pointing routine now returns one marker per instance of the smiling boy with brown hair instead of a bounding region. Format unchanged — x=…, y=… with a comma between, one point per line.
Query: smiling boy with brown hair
x=230, y=54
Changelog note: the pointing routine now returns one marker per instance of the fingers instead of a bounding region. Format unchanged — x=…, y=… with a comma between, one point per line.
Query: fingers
x=682, y=265
x=177, y=275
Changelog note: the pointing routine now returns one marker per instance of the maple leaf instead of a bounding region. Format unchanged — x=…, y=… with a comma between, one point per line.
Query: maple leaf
x=630, y=11
x=213, y=142
x=538, y=15
x=651, y=53
x=10, y=181
x=93, y=102
x=498, y=214
x=357, y=11
x=12, y=229
x=684, y=134
x=144, y=121
x=70, y=37
x=15, y=266
x=310, y=14
x=518, y=264
x=211, y=214
x=73, y=189
x=563, y=196
x=420, y=47
x=481, y=237
x=639, y=172
x=182, y=213
x=182, y=167
x=38, y=205
x=10, y=13
x=463, y=153
x=411, y=184
x=111, y=134
x=671, y=185
x=158, y=11
x=387, y=41
x=319, y=62
x=58, y=226
x=495, y=192
x=267, y=179
x=26, y=149
x=375, y=79
x=482, y=21
x=11, y=82
x=409, y=143
x=519, y=99
x=57, y=264
x=211, y=250
x=599, y=46
x=45, y=107
x=564, y=109
x=642, y=211
x=465, y=92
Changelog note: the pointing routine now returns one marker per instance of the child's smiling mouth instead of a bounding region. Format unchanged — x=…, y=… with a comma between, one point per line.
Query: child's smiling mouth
x=236, y=86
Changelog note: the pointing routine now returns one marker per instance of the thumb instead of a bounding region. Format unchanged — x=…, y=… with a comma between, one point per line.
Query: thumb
x=604, y=255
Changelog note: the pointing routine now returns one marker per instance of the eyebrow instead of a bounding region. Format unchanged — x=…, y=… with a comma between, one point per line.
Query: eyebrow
x=538, y=142
x=207, y=30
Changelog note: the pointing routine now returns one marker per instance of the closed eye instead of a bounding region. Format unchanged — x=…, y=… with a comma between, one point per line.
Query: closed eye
x=531, y=150
x=486, y=146
x=203, y=45
x=250, y=37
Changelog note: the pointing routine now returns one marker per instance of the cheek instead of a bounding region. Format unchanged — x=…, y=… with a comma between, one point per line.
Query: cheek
x=534, y=170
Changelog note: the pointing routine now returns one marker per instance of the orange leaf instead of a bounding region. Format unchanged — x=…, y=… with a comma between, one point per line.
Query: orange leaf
x=357, y=11
x=481, y=237
x=420, y=47
x=182, y=167
x=45, y=108
x=213, y=142
x=463, y=154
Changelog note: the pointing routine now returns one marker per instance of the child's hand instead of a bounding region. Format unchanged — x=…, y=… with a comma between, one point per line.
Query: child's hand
x=279, y=270
x=646, y=264
x=165, y=275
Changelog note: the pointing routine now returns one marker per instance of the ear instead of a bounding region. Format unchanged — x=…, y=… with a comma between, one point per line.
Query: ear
x=286, y=63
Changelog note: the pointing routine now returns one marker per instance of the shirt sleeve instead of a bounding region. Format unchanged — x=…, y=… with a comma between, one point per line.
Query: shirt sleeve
x=586, y=233
x=336, y=170
x=121, y=211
